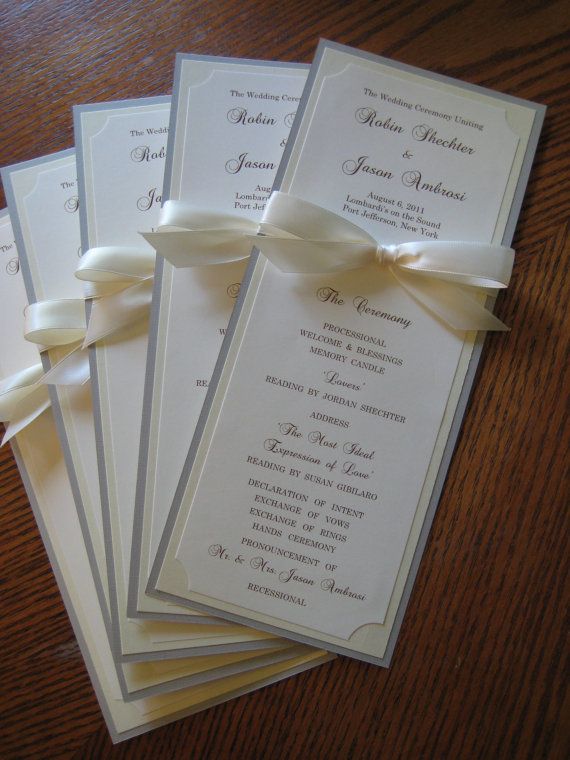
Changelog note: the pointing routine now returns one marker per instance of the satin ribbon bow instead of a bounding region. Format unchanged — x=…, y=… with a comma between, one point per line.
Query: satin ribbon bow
x=119, y=281
x=23, y=397
x=298, y=236
x=49, y=324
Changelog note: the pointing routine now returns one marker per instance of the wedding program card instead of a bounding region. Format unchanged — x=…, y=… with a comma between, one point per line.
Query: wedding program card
x=43, y=200
x=43, y=470
x=121, y=153
x=312, y=481
x=43, y=196
x=229, y=124
x=121, y=149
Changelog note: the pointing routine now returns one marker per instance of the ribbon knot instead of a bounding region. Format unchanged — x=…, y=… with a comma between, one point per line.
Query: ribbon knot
x=386, y=254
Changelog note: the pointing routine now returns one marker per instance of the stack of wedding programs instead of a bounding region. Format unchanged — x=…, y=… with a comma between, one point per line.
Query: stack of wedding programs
x=251, y=327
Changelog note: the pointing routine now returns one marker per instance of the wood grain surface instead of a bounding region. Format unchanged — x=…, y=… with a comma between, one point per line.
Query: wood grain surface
x=481, y=666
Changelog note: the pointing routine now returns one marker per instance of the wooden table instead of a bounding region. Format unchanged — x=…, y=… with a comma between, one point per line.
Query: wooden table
x=481, y=663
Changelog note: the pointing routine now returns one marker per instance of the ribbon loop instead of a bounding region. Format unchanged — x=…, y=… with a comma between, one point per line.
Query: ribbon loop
x=55, y=323
x=22, y=399
x=465, y=263
x=16, y=387
x=186, y=216
x=108, y=269
x=189, y=236
x=119, y=280
x=114, y=263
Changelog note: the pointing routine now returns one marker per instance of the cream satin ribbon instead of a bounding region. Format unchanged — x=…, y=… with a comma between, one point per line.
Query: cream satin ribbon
x=119, y=280
x=49, y=324
x=189, y=236
x=23, y=397
x=59, y=323
x=298, y=236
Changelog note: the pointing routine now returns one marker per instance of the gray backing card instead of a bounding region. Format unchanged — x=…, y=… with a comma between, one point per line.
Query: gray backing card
x=114, y=628
x=52, y=556
x=135, y=582
x=56, y=409
x=136, y=543
x=465, y=392
x=115, y=636
x=169, y=685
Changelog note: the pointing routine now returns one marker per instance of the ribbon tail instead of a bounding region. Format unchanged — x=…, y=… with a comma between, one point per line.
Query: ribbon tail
x=112, y=313
x=26, y=412
x=195, y=248
x=73, y=369
x=454, y=305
